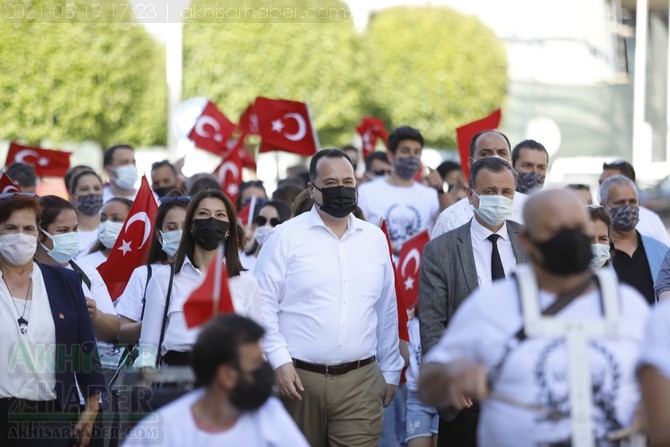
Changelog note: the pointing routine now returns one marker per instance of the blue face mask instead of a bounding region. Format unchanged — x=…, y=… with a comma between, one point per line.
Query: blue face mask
x=494, y=209
x=171, y=241
x=66, y=246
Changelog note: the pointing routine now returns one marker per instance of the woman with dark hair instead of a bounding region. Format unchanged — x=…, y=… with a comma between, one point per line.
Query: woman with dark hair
x=210, y=221
x=600, y=242
x=85, y=189
x=168, y=229
x=112, y=216
x=42, y=306
x=270, y=215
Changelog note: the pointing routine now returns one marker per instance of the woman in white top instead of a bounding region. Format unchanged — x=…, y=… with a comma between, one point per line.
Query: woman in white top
x=112, y=216
x=269, y=215
x=207, y=225
x=85, y=189
x=168, y=228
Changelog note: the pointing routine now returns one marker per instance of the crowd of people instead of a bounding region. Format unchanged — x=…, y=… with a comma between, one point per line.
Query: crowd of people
x=541, y=317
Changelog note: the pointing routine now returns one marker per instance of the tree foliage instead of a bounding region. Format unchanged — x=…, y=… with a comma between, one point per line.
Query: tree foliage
x=436, y=69
x=81, y=77
x=319, y=62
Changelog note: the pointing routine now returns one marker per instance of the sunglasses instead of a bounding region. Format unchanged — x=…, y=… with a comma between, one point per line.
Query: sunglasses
x=261, y=221
x=166, y=200
x=9, y=195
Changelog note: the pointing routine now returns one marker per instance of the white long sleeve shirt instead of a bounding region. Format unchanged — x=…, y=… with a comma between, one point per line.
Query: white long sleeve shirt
x=326, y=299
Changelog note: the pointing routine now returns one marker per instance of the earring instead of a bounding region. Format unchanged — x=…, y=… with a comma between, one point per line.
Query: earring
x=227, y=234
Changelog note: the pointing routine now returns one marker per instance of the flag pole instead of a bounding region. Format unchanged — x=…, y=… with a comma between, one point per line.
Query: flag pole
x=252, y=210
x=218, y=270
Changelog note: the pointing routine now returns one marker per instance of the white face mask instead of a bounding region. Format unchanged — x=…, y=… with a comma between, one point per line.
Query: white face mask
x=108, y=231
x=126, y=176
x=260, y=233
x=18, y=248
x=494, y=210
x=66, y=245
x=171, y=241
x=601, y=254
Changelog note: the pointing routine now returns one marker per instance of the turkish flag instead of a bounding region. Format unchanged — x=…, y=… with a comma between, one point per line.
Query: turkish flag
x=212, y=297
x=248, y=122
x=229, y=173
x=212, y=130
x=47, y=162
x=7, y=185
x=132, y=246
x=410, y=263
x=464, y=135
x=285, y=126
x=399, y=299
x=370, y=129
x=247, y=159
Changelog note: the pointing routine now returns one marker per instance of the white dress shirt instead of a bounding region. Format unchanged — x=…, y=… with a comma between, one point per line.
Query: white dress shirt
x=178, y=337
x=129, y=304
x=482, y=247
x=326, y=299
x=650, y=224
x=92, y=259
x=462, y=211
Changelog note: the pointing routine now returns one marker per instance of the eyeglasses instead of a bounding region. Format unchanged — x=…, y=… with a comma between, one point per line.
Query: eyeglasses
x=166, y=200
x=261, y=221
x=9, y=195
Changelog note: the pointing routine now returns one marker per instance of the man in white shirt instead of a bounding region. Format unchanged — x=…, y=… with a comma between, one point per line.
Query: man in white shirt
x=234, y=407
x=523, y=381
x=408, y=206
x=462, y=260
x=490, y=143
x=329, y=308
x=650, y=224
x=119, y=164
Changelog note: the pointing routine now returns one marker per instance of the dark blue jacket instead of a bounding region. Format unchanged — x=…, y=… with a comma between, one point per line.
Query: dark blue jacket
x=76, y=350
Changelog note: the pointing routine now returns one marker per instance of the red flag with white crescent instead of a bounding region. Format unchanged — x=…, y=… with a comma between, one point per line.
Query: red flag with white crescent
x=403, y=333
x=248, y=122
x=285, y=126
x=370, y=129
x=409, y=261
x=466, y=132
x=229, y=174
x=132, y=246
x=46, y=162
x=7, y=185
x=212, y=130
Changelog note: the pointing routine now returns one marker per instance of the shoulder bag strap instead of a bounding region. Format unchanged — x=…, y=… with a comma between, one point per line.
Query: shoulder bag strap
x=159, y=355
x=146, y=284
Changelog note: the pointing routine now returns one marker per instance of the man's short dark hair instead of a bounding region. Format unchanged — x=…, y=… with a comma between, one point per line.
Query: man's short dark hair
x=493, y=164
x=109, y=153
x=218, y=344
x=327, y=153
x=626, y=169
x=527, y=144
x=403, y=133
x=376, y=155
x=473, y=142
x=22, y=174
x=446, y=167
x=350, y=147
x=160, y=164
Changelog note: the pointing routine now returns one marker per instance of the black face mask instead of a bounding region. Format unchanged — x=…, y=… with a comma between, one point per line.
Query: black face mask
x=568, y=252
x=209, y=233
x=338, y=201
x=162, y=192
x=250, y=395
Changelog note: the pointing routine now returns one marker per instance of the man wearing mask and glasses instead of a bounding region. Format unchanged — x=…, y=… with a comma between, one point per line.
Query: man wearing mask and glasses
x=328, y=305
x=472, y=256
x=119, y=164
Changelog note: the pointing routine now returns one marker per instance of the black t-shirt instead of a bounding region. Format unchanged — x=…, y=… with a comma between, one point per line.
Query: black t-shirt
x=635, y=270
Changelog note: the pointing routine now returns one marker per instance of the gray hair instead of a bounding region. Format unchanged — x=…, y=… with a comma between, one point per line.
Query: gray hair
x=615, y=180
x=493, y=164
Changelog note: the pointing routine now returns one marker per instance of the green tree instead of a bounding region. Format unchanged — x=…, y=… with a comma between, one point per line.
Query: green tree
x=236, y=58
x=436, y=69
x=95, y=75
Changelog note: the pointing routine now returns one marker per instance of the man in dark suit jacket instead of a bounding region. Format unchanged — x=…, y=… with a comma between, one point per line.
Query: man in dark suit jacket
x=456, y=263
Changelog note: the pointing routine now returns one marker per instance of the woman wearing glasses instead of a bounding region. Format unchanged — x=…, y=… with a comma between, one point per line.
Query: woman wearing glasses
x=168, y=229
x=210, y=221
x=269, y=216
x=41, y=306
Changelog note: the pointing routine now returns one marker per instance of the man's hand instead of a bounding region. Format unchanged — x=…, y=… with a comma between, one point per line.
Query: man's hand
x=458, y=384
x=92, y=308
x=289, y=381
x=467, y=386
x=390, y=394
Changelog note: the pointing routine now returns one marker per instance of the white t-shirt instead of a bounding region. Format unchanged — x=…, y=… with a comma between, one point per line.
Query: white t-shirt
x=407, y=210
x=108, y=194
x=535, y=371
x=92, y=260
x=248, y=262
x=174, y=425
x=86, y=241
x=656, y=347
x=129, y=304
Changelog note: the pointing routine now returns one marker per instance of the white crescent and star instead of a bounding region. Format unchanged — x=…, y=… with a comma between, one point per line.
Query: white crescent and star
x=9, y=188
x=229, y=166
x=302, y=127
x=141, y=216
x=206, y=120
x=367, y=140
x=22, y=154
x=416, y=256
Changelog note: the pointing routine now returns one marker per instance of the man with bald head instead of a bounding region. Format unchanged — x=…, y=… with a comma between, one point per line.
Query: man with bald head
x=487, y=355
x=489, y=143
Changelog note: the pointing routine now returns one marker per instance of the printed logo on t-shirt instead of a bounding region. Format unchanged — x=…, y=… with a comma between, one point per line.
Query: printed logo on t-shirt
x=404, y=221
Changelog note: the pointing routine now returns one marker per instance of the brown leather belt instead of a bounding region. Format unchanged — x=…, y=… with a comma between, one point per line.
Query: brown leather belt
x=332, y=370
